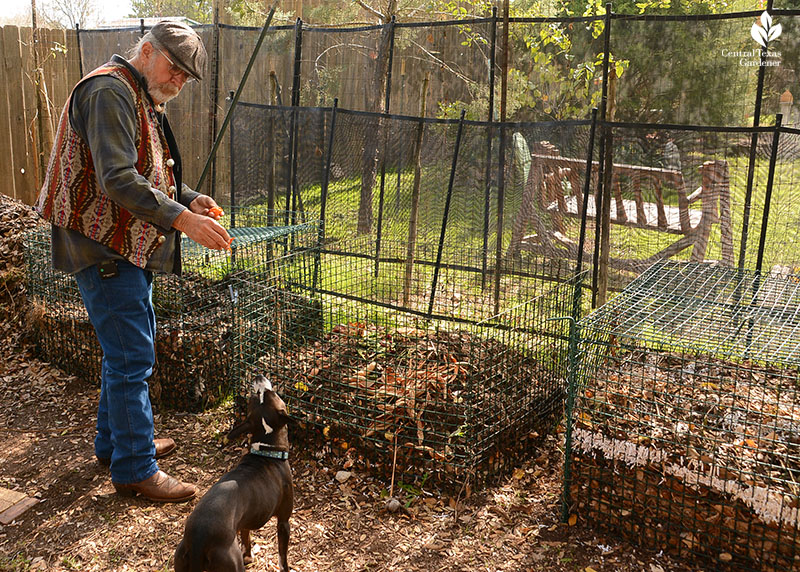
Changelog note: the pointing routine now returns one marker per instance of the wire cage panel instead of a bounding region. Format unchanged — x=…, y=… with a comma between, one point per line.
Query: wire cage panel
x=452, y=400
x=683, y=435
x=193, y=311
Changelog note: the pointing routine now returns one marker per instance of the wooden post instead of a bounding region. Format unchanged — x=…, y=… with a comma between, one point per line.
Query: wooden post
x=7, y=164
x=715, y=185
x=414, y=216
x=725, y=225
x=24, y=183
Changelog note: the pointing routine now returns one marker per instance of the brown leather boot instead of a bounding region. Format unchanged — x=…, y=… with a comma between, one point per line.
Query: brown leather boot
x=159, y=488
x=163, y=448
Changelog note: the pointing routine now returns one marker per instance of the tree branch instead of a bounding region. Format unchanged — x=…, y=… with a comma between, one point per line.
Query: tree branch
x=371, y=10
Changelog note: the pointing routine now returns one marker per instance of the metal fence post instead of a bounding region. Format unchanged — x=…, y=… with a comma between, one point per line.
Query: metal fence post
x=291, y=172
x=327, y=174
x=383, y=127
x=232, y=145
x=501, y=177
x=214, y=93
x=587, y=183
x=323, y=199
x=487, y=195
x=601, y=167
x=78, y=41
x=446, y=214
x=751, y=166
x=572, y=373
x=773, y=158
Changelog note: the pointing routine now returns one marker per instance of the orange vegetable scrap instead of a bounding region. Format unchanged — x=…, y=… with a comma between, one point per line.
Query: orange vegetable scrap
x=216, y=212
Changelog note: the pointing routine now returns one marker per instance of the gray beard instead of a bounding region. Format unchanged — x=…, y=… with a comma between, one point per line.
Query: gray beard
x=159, y=95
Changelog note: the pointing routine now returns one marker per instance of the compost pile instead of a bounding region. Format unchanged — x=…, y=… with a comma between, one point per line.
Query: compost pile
x=193, y=342
x=707, y=446
x=193, y=314
x=445, y=400
x=15, y=219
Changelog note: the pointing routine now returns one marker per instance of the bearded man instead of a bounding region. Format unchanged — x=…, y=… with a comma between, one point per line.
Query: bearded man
x=116, y=201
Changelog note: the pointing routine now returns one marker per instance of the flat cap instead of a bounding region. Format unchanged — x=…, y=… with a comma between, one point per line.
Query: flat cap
x=184, y=46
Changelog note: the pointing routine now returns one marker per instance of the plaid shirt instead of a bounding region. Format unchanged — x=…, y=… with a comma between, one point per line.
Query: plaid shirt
x=103, y=113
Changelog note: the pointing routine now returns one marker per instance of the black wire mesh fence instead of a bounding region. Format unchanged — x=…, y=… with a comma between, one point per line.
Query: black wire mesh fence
x=422, y=398
x=441, y=193
x=683, y=424
x=422, y=202
x=194, y=311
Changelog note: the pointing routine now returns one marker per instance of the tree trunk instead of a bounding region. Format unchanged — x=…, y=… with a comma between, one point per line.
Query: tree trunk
x=374, y=96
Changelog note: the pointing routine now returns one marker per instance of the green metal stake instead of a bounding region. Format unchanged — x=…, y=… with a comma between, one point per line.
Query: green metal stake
x=235, y=99
x=571, y=391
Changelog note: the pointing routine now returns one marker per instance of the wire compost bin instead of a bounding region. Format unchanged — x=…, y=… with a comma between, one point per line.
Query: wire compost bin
x=434, y=397
x=194, y=311
x=683, y=425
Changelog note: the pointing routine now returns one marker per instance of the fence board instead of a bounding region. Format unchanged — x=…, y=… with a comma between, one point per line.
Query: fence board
x=73, y=60
x=24, y=174
x=56, y=69
x=6, y=154
x=31, y=113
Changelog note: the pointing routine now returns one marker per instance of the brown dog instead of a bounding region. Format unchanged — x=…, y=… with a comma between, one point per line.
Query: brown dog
x=245, y=498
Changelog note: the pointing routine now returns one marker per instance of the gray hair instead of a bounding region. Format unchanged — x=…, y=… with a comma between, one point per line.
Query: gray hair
x=137, y=47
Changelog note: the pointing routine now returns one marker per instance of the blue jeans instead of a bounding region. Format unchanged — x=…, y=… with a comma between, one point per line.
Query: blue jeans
x=121, y=311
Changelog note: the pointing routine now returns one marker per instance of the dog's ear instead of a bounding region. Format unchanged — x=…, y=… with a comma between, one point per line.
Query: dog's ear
x=238, y=431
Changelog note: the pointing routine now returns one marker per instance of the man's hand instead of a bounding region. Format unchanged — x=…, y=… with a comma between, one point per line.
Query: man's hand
x=202, y=229
x=206, y=206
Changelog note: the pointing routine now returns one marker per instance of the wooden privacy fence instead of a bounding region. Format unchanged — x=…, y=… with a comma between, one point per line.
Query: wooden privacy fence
x=30, y=102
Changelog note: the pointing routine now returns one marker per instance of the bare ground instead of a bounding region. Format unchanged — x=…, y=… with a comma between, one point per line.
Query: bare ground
x=79, y=523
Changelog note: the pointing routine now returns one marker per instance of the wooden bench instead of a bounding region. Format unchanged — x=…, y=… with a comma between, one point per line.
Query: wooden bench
x=545, y=188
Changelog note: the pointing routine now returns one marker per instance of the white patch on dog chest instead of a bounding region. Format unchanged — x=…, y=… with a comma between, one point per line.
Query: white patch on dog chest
x=267, y=428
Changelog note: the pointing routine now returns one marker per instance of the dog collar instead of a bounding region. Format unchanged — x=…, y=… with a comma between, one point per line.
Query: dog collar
x=256, y=449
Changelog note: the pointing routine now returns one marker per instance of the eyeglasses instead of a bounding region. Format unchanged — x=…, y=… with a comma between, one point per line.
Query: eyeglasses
x=175, y=70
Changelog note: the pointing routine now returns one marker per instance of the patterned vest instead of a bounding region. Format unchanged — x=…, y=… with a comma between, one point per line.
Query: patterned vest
x=72, y=197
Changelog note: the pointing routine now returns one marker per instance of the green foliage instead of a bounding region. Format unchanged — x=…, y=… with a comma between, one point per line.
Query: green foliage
x=241, y=12
x=198, y=10
x=557, y=67
x=250, y=13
